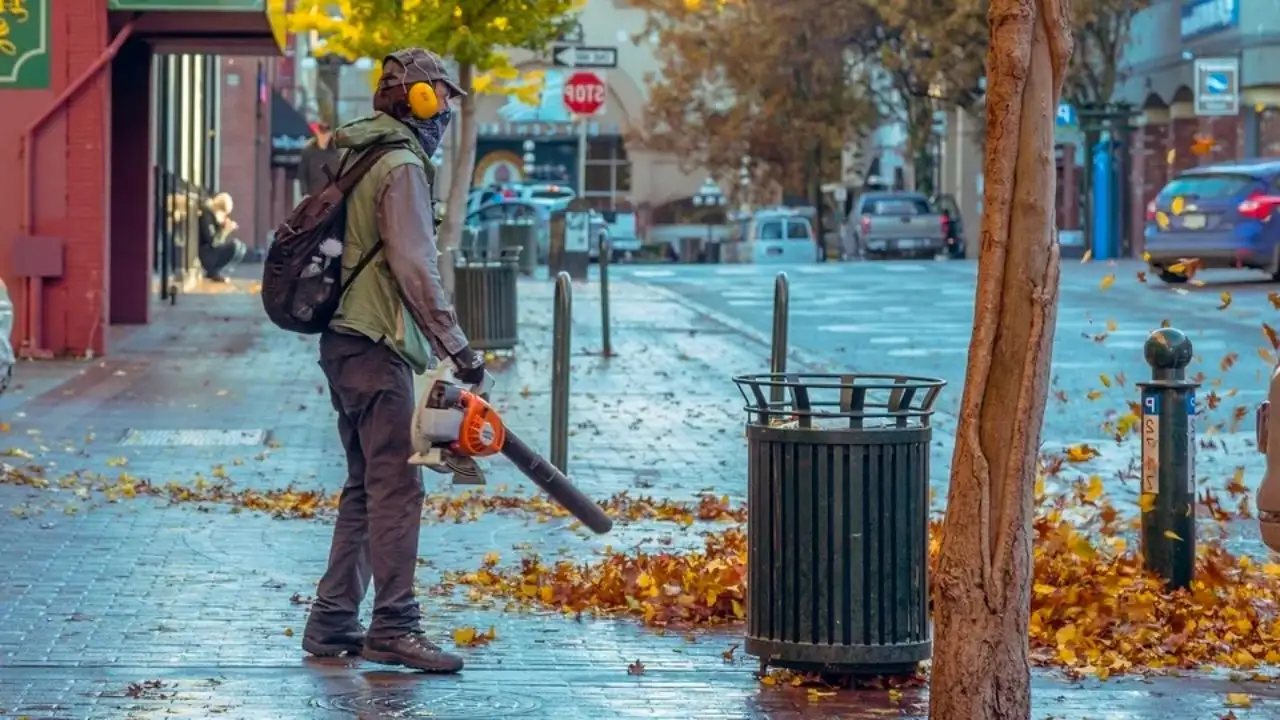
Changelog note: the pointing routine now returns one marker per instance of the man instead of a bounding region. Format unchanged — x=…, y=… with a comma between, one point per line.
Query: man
x=318, y=152
x=391, y=320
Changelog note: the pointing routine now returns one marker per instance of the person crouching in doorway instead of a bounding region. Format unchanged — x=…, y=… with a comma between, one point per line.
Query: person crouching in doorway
x=218, y=250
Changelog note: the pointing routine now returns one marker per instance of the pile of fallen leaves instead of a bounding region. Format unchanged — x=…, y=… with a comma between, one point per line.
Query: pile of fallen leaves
x=1094, y=609
x=293, y=502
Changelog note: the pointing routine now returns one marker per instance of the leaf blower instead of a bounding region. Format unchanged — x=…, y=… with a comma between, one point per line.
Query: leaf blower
x=453, y=426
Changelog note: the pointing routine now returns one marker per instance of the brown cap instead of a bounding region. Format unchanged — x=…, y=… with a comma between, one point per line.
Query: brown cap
x=414, y=65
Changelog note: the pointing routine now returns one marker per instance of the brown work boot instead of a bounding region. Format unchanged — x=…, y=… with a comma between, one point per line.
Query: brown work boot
x=333, y=644
x=412, y=650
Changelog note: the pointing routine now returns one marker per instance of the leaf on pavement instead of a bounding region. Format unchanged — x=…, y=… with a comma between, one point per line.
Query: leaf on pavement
x=635, y=668
x=1107, y=281
x=1270, y=334
x=1081, y=453
x=1239, y=700
x=1274, y=297
x=1226, y=300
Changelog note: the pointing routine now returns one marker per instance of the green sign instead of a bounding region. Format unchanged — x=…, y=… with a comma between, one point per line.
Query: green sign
x=24, y=44
x=188, y=5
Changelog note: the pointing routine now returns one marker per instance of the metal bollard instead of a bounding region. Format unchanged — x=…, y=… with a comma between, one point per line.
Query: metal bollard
x=607, y=349
x=1268, y=435
x=561, y=336
x=1169, y=459
x=778, y=348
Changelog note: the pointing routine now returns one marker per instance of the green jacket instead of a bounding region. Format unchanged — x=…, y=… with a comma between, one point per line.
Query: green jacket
x=374, y=304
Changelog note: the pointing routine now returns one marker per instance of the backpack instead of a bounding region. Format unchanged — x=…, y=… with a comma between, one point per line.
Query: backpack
x=302, y=275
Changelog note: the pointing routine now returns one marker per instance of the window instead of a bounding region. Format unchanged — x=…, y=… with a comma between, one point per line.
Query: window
x=897, y=206
x=1208, y=186
x=520, y=211
x=493, y=213
x=798, y=230
x=599, y=179
x=770, y=230
x=608, y=171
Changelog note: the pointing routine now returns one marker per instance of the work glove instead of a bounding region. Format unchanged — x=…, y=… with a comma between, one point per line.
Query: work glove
x=469, y=367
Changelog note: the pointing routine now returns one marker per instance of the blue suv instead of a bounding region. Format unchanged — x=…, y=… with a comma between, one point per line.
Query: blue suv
x=1216, y=216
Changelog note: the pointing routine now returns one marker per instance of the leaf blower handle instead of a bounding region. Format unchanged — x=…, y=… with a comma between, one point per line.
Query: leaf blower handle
x=555, y=484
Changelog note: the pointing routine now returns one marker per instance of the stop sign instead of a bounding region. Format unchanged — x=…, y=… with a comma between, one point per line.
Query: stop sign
x=584, y=93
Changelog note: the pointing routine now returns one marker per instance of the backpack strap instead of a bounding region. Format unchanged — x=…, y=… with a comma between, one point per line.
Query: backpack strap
x=345, y=181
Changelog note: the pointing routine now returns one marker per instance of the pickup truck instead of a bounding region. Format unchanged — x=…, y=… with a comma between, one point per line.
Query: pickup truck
x=904, y=224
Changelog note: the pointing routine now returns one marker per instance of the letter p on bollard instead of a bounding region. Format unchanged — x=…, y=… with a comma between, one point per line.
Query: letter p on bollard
x=1269, y=444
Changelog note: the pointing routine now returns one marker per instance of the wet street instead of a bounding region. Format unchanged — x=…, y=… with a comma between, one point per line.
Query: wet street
x=121, y=598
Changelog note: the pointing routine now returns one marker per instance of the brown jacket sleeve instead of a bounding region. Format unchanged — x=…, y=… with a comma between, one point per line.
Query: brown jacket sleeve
x=408, y=234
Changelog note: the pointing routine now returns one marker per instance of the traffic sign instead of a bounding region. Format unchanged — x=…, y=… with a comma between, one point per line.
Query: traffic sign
x=584, y=93
x=1217, y=86
x=585, y=57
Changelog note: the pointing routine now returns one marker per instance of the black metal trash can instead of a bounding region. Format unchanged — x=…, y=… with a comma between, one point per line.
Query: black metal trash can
x=838, y=521
x=485, y=299
x=520, y=236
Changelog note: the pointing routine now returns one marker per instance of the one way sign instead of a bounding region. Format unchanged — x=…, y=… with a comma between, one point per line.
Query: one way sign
x=585, y=57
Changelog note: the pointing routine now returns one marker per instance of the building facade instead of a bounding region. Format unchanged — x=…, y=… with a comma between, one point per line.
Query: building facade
x=1234, y=113
x=87, y=139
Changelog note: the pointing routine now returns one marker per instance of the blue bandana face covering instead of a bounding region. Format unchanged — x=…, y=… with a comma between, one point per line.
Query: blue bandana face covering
x=431, y=130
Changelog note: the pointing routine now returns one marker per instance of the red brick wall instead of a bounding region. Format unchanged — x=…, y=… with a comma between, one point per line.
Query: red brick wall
x=1269, y=133
x=245, y=146
x=70, y=182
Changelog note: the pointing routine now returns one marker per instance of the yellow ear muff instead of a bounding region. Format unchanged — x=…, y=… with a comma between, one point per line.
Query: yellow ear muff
x=422, y=100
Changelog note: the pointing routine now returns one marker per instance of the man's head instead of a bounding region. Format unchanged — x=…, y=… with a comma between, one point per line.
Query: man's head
x=415, y=86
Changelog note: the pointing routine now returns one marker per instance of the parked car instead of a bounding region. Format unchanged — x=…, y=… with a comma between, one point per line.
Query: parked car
x=513, y=210
x=509, y=210
x=7, y=358
x=772, y=235
x=1221, y=216
x=897, y=223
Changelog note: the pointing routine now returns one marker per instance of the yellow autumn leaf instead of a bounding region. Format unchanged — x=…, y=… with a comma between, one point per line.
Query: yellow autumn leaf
x=1239, y=700
x=1146, y=502
x=1106, y=381
x=1107, y=281
x=1112, y=326
x=482, y=82
x=1226, y=300
x=768, y=680
x=1173, y=535
x=1093, y=394
x=500, y=24
x=464, y=636
x=1081, y=453
x=1095, y=489
x=1088, y=255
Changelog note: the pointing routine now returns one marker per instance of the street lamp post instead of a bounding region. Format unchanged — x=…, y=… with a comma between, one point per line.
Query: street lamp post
x=709, y=196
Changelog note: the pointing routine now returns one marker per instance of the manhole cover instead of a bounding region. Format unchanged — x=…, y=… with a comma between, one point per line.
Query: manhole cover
x=193, y=438
x=429, y=700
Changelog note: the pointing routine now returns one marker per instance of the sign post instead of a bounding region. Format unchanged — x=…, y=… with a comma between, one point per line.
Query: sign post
x=1168, y=500
x=1217, y=86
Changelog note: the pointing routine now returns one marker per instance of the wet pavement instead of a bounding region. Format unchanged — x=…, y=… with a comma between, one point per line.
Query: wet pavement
x=145, y=608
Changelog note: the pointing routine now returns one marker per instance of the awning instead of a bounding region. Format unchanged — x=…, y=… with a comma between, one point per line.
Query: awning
x=216, y=27
x=289, y=131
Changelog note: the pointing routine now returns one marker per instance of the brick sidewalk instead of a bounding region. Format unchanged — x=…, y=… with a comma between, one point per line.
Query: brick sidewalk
x=138, y=609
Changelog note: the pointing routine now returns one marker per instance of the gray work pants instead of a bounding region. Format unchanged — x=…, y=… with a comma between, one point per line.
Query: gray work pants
x=380, y=511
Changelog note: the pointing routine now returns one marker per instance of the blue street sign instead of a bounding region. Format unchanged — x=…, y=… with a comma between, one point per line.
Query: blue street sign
x=1151, y=403
x=1066, y=116
x=1191, y=402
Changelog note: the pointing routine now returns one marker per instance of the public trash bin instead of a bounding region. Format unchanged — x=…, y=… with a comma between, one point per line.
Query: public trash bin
x=520, y=236
x=838, y=521
x=485, y=299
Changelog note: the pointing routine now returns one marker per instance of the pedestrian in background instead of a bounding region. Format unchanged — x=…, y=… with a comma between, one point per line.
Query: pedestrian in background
x=218, y=249
x=319, y=152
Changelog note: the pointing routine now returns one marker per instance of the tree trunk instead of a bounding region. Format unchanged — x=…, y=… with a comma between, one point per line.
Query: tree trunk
x=463, y=165
x=981, y=669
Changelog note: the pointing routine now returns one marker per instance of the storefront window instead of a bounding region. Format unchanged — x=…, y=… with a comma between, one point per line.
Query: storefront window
x=623, y=182
x=599, y=178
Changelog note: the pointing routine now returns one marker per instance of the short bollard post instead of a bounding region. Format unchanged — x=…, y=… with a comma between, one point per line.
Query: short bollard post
x=607, y=347
x=778, y=348
x=1268, y=435
x=561, y=336
x=1168, y=459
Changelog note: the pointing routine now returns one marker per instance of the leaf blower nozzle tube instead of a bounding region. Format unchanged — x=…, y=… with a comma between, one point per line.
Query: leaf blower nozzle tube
x=555, y=484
